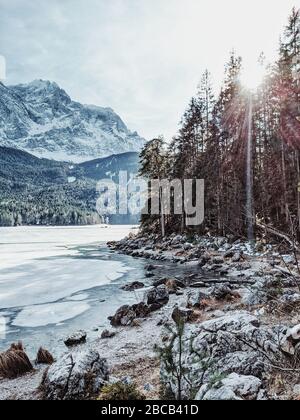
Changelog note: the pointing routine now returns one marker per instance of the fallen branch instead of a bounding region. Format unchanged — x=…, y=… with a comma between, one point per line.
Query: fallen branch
x=279, y=234
x=287, y=272
x=205, y=283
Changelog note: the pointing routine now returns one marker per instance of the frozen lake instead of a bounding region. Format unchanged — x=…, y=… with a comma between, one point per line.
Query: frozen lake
x=54, y=281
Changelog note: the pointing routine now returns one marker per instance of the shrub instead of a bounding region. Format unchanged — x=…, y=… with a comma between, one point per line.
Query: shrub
x=14, y=362
x=44, y=357
x=120, y=391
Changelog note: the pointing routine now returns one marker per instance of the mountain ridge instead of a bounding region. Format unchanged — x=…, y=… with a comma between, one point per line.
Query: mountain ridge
x=37, y=191
x=40, y=117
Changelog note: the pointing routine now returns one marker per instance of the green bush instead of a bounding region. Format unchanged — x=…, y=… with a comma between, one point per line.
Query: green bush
x=120, y=391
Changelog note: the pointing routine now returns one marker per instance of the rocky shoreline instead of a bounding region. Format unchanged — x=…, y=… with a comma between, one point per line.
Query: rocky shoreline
x=224, y=311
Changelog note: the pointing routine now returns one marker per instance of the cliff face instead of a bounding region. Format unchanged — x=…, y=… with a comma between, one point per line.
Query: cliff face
x=41, y=118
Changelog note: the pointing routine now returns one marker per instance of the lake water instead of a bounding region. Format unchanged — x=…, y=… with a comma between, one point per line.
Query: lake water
x=54, y=281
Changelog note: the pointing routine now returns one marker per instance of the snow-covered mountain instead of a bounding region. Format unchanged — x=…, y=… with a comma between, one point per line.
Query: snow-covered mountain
x=40, y=118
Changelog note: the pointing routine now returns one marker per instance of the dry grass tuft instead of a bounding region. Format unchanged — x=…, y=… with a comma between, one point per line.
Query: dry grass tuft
x=44, y=357
x=14, y=362
x=120, y=391
x=16, y=347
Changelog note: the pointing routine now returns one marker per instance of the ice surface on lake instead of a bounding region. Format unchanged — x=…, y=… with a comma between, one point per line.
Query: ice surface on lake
x=28, y=243
x=42, y=271
x=39, y=315
x=52, y=280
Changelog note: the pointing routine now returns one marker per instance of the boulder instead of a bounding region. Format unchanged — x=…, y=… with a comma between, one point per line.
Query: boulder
x=123, y=317
x=157, y=295
x=188, y=246
x=288, y=259
x=229, y=254
x=261, y=292
x=133, y=286
x=218, y=260
x=182, y=315
x=151, y=267
x=107, y=334
x=223, y=292
x=196, y=300
x=141, y=310
x=126, y=315
x=178, y=240
x=76, y=376
x=76, y=338
x=234, y=343
x=237, y=257
x=204, y=259
x=149, y=274
x=233, y=387
x=291, y=343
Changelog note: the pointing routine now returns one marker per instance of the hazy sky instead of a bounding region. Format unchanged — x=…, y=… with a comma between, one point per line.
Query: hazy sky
x=143, y=58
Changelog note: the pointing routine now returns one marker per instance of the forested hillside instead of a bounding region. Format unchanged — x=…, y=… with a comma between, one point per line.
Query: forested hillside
x=245, y=144
x=41, y=191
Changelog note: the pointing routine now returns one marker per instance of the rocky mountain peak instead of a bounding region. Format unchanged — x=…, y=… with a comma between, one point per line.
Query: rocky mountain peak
x=41, y=118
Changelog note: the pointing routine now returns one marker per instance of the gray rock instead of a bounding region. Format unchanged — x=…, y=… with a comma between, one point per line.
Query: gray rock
x=229, y=254
x=127, y=314
x=177, y=240
x=149, y=274
x=259, y=293
x=107, y=334
x=296, y=390
x=234, y=387
x=148, y=388
x=180, y=315
x=163, y=321
x=75, y=376
x=288, y=259
x=204, y=259
x=221, y=241
x=195, y=299
x=151, y=267
x=127, y=380
x=218, y=260
x=157, y=295
x=237, y=257
x=221, y=292
x=75, y=339
x=133, y=286
x=188, y=246
x=291, y=342
x=234, y=343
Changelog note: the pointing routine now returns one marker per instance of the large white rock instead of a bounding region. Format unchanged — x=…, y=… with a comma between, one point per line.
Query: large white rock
x=234, y=387
x=75, y=376
x=234, y=343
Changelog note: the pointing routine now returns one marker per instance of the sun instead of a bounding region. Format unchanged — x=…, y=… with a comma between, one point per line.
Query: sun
x=253, y=76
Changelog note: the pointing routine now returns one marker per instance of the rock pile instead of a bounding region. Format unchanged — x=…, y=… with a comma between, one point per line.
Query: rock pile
x=224, y=358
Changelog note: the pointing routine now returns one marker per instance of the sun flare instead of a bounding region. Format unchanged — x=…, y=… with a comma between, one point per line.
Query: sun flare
x=253, y=76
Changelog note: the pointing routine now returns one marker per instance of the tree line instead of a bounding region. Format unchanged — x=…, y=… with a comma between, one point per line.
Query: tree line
x=217, y=134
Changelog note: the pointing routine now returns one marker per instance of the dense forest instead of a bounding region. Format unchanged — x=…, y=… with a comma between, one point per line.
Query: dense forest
x=37, y=191
x=245, y=144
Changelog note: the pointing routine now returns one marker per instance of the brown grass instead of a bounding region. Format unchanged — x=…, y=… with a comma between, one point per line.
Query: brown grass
x=16, y=347
x=14, y=362
x=141, y=371
x=44, y=357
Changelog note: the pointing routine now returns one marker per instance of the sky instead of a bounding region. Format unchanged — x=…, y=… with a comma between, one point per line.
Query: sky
x=143, y=58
